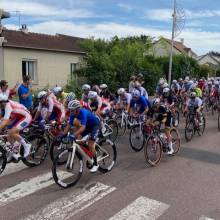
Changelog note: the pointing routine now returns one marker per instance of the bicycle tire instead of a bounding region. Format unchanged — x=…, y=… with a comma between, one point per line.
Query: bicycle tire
x=114, y=126
x=122, y=126
x=152, y=140
x=175, y=140
x=103, y=166
x=56, y=170
x=55, y=148
x=42, y=146
x=189, y=127
x=199, y=130
x=3, y=159
x=140, y=145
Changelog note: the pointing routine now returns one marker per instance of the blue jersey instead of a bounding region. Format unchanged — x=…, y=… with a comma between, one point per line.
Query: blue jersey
x=140, y=104
x=86, y=118
x=27, y=102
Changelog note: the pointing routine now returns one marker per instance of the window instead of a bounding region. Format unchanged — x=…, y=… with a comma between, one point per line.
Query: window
x=29, y=67
x=73, y=67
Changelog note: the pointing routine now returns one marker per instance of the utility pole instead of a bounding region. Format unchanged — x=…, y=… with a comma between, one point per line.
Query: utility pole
x=172, y=42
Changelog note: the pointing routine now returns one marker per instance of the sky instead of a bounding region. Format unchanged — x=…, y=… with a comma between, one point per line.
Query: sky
x=198, y=19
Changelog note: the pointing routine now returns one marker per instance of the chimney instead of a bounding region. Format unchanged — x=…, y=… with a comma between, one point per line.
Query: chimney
x=182, y=41
x=24, y=28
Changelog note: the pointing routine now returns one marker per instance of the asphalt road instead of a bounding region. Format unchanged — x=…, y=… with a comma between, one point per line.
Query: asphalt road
x=186, y=186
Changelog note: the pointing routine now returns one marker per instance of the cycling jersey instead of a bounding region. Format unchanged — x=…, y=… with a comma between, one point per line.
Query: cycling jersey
x=18, y=114
x=197, y=102
x=140, y=104
x=125, y=99
x=100, y=103
x=54, y=107
x=89, y=120
x=198, y=92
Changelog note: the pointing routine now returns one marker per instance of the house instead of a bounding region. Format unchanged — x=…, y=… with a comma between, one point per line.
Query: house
x=211, y=59
x=49, y=59
x=162, y=48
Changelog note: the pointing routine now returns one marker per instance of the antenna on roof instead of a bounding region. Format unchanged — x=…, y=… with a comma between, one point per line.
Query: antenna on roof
x=17, y=13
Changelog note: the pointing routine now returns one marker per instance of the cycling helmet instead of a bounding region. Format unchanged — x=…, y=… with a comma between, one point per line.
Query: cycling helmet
x=57, y=90
x=74, y=104
x=86, y=87
x=71, y=96
x=121, y=91
x=41, y=94
x=92, y=95
x=166, y=90
x=3, y=98
x=180, y=79
x=165, y=85
x=186, y=78
x=174, y=81
x=192, y=95
x=155, y=102
x=136, y=93
x=103, y=86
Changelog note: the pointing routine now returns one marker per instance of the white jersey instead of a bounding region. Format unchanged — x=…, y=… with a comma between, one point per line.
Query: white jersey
x=125, y=100
x=15, y=110
x=197, y=102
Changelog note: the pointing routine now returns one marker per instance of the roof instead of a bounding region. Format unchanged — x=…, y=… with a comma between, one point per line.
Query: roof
x=215, y=58
x=180, y=46
x=29, y=40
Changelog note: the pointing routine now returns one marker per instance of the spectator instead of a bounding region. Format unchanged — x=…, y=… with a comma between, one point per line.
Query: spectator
x=6, y=91
x=24, y=92
x=131, y=83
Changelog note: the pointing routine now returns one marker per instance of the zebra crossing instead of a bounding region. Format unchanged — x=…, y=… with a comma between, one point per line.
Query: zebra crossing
x=66, y=207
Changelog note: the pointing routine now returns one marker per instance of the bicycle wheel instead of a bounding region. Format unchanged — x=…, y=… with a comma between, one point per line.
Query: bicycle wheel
x=64, y=175
x=39, y=149
x=3, y=159
x=106, y=155
x=112, y=127
x=153, y=150
x=136, y=138
x=201, y=127
x=56, y=147
x=175, y=140
x=176, y=119
x=122, y=125
x=189, y=131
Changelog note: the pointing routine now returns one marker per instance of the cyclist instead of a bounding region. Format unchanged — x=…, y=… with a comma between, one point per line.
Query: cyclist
x=124, y=99
x=49, y=108
x=195, y=102
x=87, y=124
x=175, y=88
x=159, y=88
x=70, y=97
x=106, y=94
x=17, y=117
x=162, y=116
x=139, y=105
x=85, y=88
x=59, y=93
x=143, y=91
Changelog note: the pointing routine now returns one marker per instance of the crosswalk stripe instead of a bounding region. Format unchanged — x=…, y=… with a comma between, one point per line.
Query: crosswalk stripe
x=13, y=168
x=205, y=218
x=67, y=207
x=141, y=209
x=26, y=187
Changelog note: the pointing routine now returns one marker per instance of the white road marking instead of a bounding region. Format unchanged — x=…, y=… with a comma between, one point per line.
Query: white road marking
x=13, y=168
x=66, y=207
x=205, y=218
x=141, y=209
x=26, y=188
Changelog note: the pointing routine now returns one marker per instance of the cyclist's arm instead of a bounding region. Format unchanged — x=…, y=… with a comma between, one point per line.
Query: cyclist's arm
x=50, y=109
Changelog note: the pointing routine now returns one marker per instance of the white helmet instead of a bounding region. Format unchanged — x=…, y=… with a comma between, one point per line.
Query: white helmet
x=41, y=94
x=74, y=104
x=121, y=91
x=57, y=90
x=71, y=96
x=86, y=87
x=166, y=90
x=103, y=86
x=92, y=95
x=174, y=81
x=136, y=93
x=187, y=78
x=165, y=85
x=155, y=101
x=192, y=95
x=3, y=98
